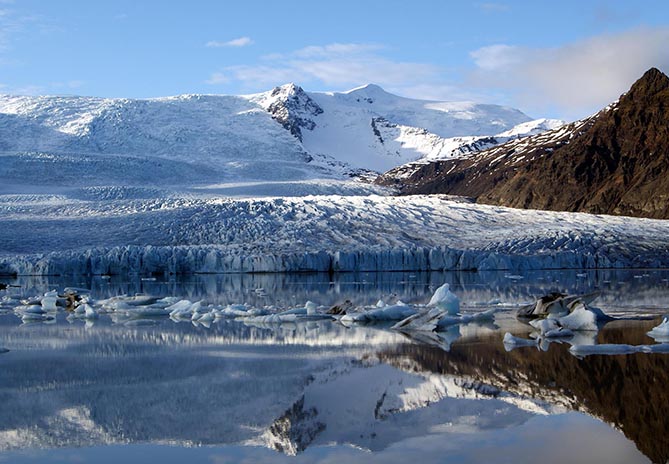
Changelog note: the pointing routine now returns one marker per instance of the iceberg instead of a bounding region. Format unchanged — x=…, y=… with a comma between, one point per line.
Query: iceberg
x=394, y=312
x=441, y=312
x=661, y=332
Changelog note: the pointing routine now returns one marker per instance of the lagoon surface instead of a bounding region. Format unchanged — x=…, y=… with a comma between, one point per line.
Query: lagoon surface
x=113, y=390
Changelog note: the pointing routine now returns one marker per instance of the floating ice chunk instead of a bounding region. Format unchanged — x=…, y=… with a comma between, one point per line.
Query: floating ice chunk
x=89, y=312
x=447, y=320
x=581, y=318
x=445, y=299
x=380, y=304
x=545, y=325
x=661, y=332
x=394, y=312
x=240, y=310
x=207, y=317
x=437, y=318
x=3, y=350
x=425, y=320
x=80, y=310
x=125, y=302
x=290, y=315
x=168, y=301
x=50, y=300
x=511, y=342
x=30, y=309
x=311, y=308
x=180, y=305
x=555, y=305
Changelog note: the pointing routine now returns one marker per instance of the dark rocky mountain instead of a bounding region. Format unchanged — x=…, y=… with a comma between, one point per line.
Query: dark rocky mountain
x=615, y=162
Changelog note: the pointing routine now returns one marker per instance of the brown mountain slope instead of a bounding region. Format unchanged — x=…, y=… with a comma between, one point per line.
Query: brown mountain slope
x=615, y=162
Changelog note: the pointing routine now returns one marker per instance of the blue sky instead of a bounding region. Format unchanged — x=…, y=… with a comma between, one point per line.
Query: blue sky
x=558, y=59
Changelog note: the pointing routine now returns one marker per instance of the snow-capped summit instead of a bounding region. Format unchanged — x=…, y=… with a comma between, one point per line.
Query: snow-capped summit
x=369, y=93
x=291, y=106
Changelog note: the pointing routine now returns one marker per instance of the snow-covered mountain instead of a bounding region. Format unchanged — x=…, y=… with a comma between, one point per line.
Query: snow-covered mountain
x=285, y=134
x=369, y=128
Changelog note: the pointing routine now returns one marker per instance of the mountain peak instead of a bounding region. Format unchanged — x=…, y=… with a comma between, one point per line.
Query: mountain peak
x=287, y=89
x=616, y=162
x=367, y=89
x=651, y=83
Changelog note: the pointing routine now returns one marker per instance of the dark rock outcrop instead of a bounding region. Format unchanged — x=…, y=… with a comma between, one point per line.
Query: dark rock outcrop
x=615, y=162
x=294, y=109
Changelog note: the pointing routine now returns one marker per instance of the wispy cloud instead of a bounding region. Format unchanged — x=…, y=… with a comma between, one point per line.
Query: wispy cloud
x=217, y=78
x=238, y=42
x=13, y=24
x=575, y=79
x=336, y=65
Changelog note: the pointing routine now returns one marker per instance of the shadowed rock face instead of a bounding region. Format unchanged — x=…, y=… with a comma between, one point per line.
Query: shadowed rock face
x=627, y=391
x=615, y=162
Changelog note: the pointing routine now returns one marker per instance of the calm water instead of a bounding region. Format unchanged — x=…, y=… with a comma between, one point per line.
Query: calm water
x=321, y=392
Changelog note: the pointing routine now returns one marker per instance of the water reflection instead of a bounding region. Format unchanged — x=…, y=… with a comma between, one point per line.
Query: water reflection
x=317, y=389
x=625, y=391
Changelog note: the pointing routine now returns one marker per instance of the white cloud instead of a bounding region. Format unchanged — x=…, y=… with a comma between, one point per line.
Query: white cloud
x=575, y=79
x=238, y=42
x=333, y=65
x=217, y=78
x=496, y=56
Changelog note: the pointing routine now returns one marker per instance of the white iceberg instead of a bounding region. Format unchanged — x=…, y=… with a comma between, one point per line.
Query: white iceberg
x=50, y=300
x=661, y=332
x=582, y=318
x=446, y=300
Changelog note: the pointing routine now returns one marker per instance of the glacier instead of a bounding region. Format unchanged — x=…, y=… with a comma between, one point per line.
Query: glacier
x=51, y=235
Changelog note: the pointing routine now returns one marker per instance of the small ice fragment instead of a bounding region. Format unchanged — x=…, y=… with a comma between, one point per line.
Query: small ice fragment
x=311, y=308
x=581, y=318
x=443, y=298
x=545, y=325
x=49, y=301
x=90, y=313
x=207, y=317
x=661, y=332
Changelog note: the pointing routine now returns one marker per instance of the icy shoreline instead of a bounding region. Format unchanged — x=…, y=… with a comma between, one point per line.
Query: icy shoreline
x=332, y=233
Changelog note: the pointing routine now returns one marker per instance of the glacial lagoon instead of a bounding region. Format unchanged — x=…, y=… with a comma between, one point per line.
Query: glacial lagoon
x=114, y=390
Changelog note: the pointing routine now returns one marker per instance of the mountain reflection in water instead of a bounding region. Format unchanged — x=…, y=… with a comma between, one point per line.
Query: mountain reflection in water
x=306, y=387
